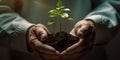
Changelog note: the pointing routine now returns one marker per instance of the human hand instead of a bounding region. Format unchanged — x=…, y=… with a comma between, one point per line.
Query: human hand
x=83, y=28
x=36, y=34
x=85, y=31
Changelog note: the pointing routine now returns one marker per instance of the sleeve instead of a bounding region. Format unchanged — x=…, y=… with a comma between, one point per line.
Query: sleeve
x=107, y=19
x=12, y=29
x=105, y=14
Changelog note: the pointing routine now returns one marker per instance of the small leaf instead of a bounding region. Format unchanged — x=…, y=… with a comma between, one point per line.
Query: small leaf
x=59, y=3
x=67, y=9
x=58, y=8
x=64, y=15
x=54, y=12
x=70, y=19
x=62, y=7
x=50, y=22
x=52, y=16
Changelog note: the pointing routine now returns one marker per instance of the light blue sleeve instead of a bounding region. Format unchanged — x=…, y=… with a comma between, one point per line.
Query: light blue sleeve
x=105, y=14
x=107, y=19
x=12, y=29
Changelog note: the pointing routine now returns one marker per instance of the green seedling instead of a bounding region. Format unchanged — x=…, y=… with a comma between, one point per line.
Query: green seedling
x=59, y=13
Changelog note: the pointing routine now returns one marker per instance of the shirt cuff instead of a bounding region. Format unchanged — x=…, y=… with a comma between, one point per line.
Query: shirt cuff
x=96, y=18
x=99, y=19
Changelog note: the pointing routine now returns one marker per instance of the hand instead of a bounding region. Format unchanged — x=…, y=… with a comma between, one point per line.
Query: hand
x=36, y=34
x=82, y=28
x=85, y=31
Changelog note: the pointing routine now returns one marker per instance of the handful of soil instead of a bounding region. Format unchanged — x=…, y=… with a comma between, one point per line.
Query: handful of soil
x=61, y=40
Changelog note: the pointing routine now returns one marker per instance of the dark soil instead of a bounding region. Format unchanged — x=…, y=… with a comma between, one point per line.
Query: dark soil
x=61, y=40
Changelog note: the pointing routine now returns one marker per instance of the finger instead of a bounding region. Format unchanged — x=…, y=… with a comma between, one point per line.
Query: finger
x=72, y=32
x=82, y=31
x=74, y=46
x=76, y=56
x=48, y=50
x=44, y=35
x=48, y=53
x=79, y=31
x=76, y=50
x=40, y=46
x=40, y=33
x=46, y=56
x=31, y=37
x=41, y=25
x=46, y=30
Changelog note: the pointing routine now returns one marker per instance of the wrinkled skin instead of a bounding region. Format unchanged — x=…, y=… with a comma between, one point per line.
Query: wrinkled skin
x=82, y=29
x=40, y=32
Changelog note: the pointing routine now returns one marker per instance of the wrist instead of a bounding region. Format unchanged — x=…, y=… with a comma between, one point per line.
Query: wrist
x=27, y=38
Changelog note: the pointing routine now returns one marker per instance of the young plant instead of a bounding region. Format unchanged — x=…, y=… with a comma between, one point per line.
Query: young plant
x=59, y=12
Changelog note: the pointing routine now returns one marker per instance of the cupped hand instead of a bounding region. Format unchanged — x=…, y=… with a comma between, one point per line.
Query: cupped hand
x=85, y=30
x=36, y=34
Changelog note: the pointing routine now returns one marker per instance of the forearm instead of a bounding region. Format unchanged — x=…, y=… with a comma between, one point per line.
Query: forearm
x=104, y=14
x=12, y=29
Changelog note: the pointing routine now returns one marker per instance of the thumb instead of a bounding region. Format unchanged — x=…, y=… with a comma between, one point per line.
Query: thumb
x=81, y=31
x=40, y=32
x=44, y=35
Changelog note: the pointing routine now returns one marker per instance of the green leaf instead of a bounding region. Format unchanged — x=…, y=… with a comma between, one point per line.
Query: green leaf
x=71, y=19
x=59, y=12
x=59, y=3
x=50, y=22
x=59, y=8
x=54, y=12
x=62, y=7
x=52, y=16
x=64, y=15
x=67, y=9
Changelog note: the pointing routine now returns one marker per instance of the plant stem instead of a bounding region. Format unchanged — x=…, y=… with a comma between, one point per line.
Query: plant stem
x=53, y=28
x=60, y=11
x=60, y=25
